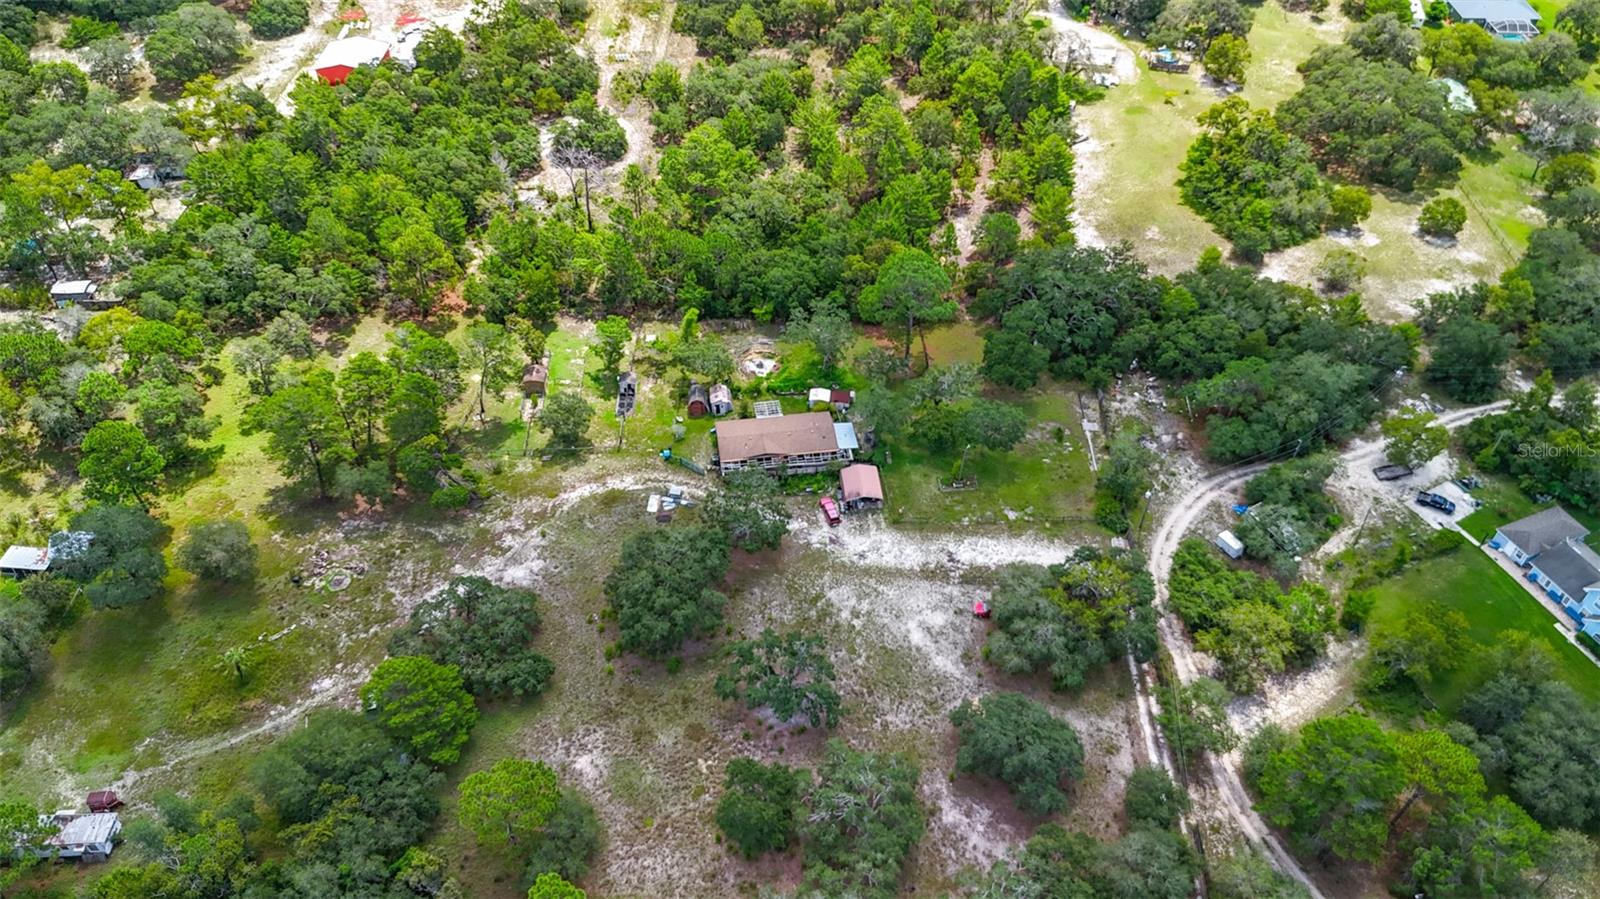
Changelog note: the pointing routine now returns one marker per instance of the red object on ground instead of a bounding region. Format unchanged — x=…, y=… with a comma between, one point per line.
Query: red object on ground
x=409, y=18
x=829, y=509
x=353, y=14
x=104, y=801
x=980, y=609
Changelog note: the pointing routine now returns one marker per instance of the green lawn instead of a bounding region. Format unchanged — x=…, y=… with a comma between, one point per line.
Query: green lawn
x=1504, y=502
x=1044, y=483
x=1496, y=189
x=1471, y=583
x=958, y=342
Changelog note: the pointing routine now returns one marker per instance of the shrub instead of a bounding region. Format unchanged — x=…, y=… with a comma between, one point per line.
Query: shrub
x=84, y=30
x=757, y=811
x=1151, y=799
x=219, y=551
x=452, y=497
x=1010, y=737
x=1357, y=606
x=1341, y=271
x=1442, y=217
x=1348, y=205
x=271, y=19
x=1261, y=747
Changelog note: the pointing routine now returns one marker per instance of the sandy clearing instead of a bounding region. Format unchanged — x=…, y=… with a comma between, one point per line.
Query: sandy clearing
x=1077, y=39
x=870, y=542
x=275, y=66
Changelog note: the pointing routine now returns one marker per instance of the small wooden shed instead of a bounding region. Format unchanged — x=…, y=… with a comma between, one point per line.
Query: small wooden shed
x=699, y=401
x=104, y=801
x=535, y=377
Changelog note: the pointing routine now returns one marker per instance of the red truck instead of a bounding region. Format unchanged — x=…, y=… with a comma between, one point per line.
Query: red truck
x=830, y=510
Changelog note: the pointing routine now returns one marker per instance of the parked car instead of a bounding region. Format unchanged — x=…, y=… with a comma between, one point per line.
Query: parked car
x=830, y=510
x=1436, y=501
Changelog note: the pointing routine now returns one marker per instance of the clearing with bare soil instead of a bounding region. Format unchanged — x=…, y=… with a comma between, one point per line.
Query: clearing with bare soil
x=649, y=747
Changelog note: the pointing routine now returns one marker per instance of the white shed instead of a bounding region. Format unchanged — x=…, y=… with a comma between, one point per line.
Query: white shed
x=146, y=177
x=78, y=291
x=1229, y=544
x=89, y=837
x=721, y=400
x=24, y=561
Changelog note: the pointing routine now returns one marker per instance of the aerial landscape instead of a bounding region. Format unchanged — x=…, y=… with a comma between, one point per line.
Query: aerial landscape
x=1018, y=449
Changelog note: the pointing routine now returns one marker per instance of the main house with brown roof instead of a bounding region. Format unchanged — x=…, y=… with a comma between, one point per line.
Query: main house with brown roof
x=794, y=444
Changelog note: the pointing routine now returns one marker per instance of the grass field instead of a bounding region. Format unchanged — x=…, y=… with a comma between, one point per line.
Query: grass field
x=1141, y=131
x=1469, y=582
x=1044, y=483
x=123, y=683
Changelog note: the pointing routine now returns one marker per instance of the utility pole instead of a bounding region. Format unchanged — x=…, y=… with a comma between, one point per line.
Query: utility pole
x=1363, y=527
x=1138, y=529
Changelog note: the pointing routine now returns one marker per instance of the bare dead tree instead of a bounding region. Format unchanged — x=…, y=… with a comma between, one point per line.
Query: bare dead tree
x=580, y=166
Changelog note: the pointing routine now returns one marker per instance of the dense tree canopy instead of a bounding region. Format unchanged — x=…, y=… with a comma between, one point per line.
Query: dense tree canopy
x=115, y=552
x=759, y=807
x=485, y=631
x=1375, y=120
x=750, y=509
x=1255, y=183
x=1537, y=418
x=863, y=821
x=1073, y=617
x=1017, y=740
x=789, y=674
x=507, y=806
x=1332, y=788
x=663, y=588
x=424, y=704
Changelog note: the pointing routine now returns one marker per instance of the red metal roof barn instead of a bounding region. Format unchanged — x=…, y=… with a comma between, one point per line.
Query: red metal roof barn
x=337, y=60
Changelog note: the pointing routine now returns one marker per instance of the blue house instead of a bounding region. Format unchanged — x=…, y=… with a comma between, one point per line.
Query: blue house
x=1549, y=546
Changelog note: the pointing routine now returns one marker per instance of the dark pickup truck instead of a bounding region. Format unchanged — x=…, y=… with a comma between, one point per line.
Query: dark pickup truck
x=1436, y=501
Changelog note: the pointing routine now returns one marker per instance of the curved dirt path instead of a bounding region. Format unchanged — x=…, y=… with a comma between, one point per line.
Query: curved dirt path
x=1179, y=518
